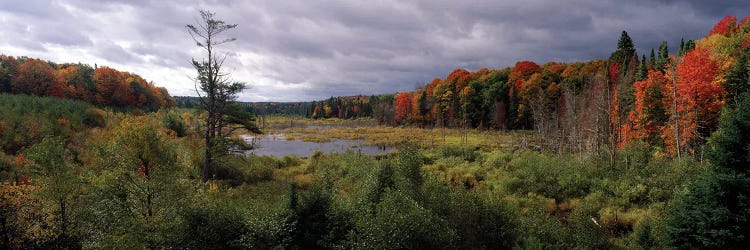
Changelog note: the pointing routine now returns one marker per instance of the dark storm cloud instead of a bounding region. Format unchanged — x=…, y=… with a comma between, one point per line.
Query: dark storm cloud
x=305, y=50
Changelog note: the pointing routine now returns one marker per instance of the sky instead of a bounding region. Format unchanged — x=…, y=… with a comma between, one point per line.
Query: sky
x=311, y=50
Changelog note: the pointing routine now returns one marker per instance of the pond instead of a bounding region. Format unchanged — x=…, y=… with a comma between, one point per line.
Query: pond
x=278, y=146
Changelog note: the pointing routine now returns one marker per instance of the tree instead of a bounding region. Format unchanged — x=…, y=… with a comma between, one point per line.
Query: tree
x=138, y=194
x=728, y=147
x=8, y=69
x=112, y=88
x=403, y=107
x=625, y=49
x=662, y=58
x=214, y=88
x=649, y=115
x=737, y=79
x=642, y=72
x=33, y=77
x=699, y=98
x=52, y=161
x=725, y=27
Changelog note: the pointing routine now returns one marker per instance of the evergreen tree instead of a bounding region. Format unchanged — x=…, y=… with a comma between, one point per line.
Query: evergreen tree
x=682, y=46
x=663, y=57
x=652, y=59
x=642, y=72
x=715, y=212
x=737, y=79
x=625, y=49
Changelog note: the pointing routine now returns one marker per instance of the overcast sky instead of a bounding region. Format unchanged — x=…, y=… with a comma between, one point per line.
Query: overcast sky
x=311, y=50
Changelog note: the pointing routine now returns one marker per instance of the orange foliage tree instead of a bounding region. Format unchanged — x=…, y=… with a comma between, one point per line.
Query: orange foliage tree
x=648, y=117
x=402, y=106
x=33, y=77
x=112, y=88
x=700, y=96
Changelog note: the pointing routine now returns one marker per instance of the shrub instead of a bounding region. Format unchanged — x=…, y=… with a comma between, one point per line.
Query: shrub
x=467, y=153
x=212, y=226
x=94, y=117
x=175, y=123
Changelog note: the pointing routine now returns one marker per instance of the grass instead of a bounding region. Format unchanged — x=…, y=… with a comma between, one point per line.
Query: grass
x=324, y=130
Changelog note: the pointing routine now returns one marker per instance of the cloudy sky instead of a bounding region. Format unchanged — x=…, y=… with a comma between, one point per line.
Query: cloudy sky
x=308, y=50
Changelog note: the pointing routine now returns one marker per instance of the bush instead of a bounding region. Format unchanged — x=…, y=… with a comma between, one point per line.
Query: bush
x=244, y=169
x=467, y=153
x=552, y=176
x=399, y=222
x=212, y=226
x=175, y=123
x=94, y=117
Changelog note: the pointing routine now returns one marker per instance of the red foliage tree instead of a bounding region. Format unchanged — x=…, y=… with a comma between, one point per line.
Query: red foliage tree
x=726, y=26
x=648, y=117
x=521, y=71
x=699, y=98
x=402, y=106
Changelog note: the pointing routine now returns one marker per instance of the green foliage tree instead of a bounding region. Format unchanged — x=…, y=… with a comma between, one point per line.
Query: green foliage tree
x=713, y=214
x=625, y=49
x=715, y=211
x=61, y=183
x=737, y=79
x=642, y=72
x=662, y=59
x=139, y=192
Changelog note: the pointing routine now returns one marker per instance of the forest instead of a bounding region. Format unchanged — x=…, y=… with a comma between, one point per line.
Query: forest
x=627, y=152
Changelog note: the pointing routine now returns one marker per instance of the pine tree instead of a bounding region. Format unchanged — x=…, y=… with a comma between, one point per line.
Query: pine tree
x=737, y=79
x=642, y=72
x=682, y=46
x=663, y=57
x=652, y=59
x=625, y=49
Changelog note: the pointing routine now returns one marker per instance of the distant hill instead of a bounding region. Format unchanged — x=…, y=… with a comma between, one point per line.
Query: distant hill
x=96, y=85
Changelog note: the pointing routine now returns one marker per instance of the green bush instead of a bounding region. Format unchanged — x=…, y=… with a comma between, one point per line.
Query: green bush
x=94, y=117
x=399, y=222
x=557, y=177
x=175, y=123
x=467, y=153
x=212, y=226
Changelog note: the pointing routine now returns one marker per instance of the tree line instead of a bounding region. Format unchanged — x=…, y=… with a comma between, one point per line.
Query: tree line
x=103, y=86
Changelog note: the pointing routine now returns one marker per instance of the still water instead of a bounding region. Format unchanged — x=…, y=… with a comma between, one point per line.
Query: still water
x=278, y=146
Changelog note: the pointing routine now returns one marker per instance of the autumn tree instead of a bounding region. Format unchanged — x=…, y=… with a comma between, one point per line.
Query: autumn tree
x=726, y=26
x=402, y=107
x=215, y=89
x=649, y=115
x=112, y=88
x=699, y=97
x=34, y=77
